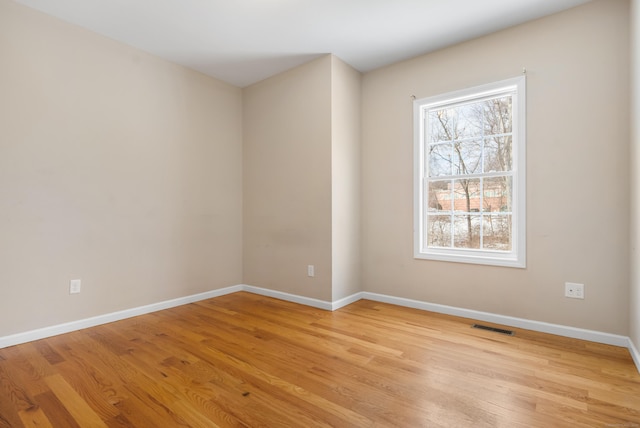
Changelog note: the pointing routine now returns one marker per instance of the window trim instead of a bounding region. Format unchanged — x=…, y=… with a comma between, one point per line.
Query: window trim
x=517, y=256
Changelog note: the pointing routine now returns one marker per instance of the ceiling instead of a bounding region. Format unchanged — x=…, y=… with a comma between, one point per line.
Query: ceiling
x=244, y=41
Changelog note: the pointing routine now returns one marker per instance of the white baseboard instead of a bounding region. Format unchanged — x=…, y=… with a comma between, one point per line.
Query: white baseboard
x=634, y=353
x=560, y=330
x=346, y=301
x=543, y=327
x=308, y=301
x=315, y=303
x=41, y=333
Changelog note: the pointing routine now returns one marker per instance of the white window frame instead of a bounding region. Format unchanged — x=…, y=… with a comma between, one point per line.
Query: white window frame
x=517, y=256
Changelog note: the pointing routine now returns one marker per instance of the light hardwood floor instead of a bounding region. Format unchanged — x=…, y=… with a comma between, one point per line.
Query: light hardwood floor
x=251, y=361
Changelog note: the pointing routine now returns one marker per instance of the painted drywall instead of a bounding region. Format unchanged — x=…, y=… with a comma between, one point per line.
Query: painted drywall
x=302, y=180
x=634, y=300
x=126, y=171
x=345, y=178
x=115, y=167
x=287, y=181
x=577, y=67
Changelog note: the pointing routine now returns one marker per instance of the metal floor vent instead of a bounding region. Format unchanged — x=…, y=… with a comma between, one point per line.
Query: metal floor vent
x=497, y=330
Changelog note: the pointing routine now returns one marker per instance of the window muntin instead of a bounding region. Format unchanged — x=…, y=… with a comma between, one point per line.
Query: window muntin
x=470, y=166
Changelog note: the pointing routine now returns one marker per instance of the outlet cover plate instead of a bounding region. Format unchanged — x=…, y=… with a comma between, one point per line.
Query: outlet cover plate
x=574, y=290
x=74, y=286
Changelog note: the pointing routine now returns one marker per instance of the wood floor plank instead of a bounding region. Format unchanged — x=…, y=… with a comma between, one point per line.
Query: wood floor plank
x=244, y=360
x=12, y=392
x=35, y=418
x=73, y=402
x=44, y=348
x=9, y=415
x=56, y=411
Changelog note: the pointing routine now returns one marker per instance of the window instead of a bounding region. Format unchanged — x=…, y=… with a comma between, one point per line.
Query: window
x=470, y=175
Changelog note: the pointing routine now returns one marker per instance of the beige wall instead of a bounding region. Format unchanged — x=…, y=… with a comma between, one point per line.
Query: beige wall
x=578, y=174
x=115, y=167
x=635, y=177
x=127, y=171
x=287, y=181
x=345, y=178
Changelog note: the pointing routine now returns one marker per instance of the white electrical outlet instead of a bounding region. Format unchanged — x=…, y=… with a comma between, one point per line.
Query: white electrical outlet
x=74, y=286
x=574, y=290
x=311, y=270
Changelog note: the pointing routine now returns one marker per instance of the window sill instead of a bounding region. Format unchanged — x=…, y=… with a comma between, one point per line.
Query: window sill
x=471, y=257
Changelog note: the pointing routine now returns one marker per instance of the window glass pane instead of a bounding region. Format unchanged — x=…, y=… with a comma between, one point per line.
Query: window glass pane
x=498, y=154
x=496, y=232
x=440, y=160
x=466, y=231
x=439, y=230
x=497, y=194
x=497, y=116
x=440, y=195
x=442, y=125
x=466, y=194
x=467, y=157
x=469, y=123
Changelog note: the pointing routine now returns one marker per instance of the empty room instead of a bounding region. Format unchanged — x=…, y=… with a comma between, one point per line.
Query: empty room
x=310, y=213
